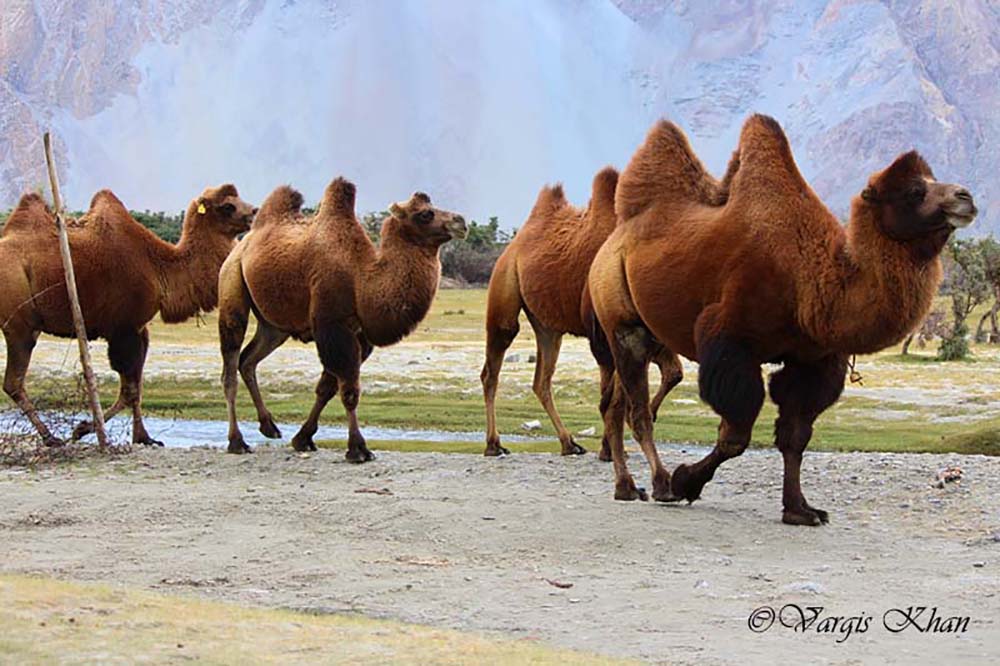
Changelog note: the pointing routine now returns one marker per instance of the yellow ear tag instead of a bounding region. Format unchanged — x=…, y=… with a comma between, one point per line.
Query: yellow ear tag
x=201, y=209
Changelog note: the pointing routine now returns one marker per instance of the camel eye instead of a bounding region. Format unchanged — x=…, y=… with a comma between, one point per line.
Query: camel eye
x=425, y=217
x=227, y=209
x=916, y=194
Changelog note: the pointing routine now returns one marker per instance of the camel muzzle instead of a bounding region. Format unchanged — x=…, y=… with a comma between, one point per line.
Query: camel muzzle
x=457, y=228
x=961, y=210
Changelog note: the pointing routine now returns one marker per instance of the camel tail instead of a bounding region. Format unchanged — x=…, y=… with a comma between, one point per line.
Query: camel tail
x=30, y=214
x=338, y=199
x=281, y=203
x=663, y=169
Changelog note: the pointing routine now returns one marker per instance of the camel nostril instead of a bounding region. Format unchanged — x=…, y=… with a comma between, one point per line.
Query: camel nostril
x=963, y=195
x=254, y=211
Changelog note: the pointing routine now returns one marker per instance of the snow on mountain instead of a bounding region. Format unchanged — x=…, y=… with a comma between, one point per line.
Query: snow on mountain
x=481, y=102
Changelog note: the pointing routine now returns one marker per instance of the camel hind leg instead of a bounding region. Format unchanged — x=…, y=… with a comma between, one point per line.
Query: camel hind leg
x=234, y=314
x=671, y=374
x=19, y=348
x=548, y=343
x=266, y=339
x=503, y=306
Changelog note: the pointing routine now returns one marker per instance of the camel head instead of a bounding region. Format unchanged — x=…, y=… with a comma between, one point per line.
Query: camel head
x=910, y=205
x=221, y=209
x=422, y=224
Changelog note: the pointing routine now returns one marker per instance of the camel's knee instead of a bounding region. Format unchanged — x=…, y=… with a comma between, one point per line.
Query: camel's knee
x=12, y=387
x=349, y=396
x=729, y=380
x=733, y=439
x=809, y=388
x=232, y=330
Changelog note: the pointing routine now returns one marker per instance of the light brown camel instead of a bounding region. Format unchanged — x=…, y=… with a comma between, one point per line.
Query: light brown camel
x=769, y=277
x=320, y=278
x=544, y=272
x=124, y=274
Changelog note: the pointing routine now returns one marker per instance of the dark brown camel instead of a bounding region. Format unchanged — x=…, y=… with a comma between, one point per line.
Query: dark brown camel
x=770, y=276
x=321, y=279
x=124, y=274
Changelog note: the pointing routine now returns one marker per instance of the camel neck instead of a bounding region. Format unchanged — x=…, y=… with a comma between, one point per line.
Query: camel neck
x=873, y=290
x=189, y=271
x=398, y=288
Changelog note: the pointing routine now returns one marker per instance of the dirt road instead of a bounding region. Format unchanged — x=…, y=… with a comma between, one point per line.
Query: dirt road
x=494, y=545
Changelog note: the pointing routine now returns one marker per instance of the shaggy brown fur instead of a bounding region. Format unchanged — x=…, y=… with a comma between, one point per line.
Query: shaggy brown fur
x=321, y=279
x=543, y=272
x=769, y=276
x=124, y=274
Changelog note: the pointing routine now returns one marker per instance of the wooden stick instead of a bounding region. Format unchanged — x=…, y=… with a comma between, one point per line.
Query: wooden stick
x=74, y=300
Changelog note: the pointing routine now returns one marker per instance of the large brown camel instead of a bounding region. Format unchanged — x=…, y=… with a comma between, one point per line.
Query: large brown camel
x=124, y=274
x=321, y=279
x=543, y=272
x=771, y=276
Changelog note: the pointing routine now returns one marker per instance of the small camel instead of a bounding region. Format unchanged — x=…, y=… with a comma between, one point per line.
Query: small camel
x=321, y=279
x=543, y=272
x=770, y=276
x=125, y=274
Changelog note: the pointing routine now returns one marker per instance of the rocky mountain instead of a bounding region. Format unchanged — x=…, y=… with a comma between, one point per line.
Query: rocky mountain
x=481, y=102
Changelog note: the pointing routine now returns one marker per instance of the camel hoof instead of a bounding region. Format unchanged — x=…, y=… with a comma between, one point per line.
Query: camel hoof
x=238, y=447
x=358, y=456
x=82, y=429
x=629, y=492
x=495, y=450
x=303, y=443
x=53, y=442
x=806, y=516
x=573, y=449
x=269, y=429
x=683, y=486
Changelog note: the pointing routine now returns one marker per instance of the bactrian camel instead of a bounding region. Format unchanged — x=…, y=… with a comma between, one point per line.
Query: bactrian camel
x=771, y=276
x=124, y=274
x=321, y=279
x=543, y=272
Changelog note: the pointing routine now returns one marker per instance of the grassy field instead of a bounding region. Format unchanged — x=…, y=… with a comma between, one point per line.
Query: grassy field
x=51, y=622
x=431, y=381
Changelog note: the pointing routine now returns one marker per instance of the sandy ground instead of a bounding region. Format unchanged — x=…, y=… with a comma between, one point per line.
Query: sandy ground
x=463, y=542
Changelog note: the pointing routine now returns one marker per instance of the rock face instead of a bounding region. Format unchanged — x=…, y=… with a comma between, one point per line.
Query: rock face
x=481, y=103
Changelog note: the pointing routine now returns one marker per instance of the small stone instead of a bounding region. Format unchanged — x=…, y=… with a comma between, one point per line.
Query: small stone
x=532, y=425
x=701, y=584
x=979, y=565
x=806, y=586
x=512, y=358
x=588, y=432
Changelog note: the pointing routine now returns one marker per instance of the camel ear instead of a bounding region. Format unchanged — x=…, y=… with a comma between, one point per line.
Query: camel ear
x=397, y=211
x=869, y=194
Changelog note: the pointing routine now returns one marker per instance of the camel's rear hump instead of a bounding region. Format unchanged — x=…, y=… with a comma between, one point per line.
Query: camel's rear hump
x=283, y=202
x=663, y=170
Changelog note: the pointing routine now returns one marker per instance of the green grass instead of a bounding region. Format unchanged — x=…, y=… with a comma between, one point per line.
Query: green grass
x=899, y=408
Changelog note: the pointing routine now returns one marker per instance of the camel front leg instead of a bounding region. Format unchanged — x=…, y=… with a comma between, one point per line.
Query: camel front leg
x=342, y=353
x=326, y=388
x=19, y=348
x=802, y=392
x=729, y=381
